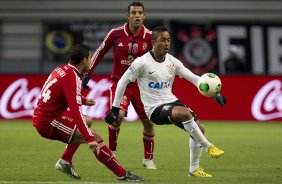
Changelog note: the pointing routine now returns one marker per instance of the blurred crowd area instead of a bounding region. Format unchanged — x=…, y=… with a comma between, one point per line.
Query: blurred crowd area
x=226, y=37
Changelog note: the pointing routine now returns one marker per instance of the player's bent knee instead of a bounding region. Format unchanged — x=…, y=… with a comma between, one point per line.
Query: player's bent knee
x=88, y=120
x=97, y=135
x=184, y=115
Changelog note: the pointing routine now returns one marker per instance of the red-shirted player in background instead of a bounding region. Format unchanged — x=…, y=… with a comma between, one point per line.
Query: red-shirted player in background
x=58, y=116
x=129, y=41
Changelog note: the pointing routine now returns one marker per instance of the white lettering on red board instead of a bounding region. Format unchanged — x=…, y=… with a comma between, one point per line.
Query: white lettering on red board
x=18, y=101
x=267, y=104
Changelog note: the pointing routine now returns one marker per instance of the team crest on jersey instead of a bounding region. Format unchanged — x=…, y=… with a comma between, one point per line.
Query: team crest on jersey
x=170, y=68
x=144, y=47
x=130, y=58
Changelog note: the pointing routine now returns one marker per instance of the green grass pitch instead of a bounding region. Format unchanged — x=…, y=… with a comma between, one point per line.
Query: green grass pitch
x=253, y=154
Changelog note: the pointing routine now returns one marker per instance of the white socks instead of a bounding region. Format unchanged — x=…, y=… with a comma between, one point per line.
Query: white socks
x=195, y=154
x=194, y=130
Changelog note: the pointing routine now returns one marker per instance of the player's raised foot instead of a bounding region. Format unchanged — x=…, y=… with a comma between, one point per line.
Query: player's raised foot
x=149, y=164
x=130, y=177
x=215, y=152
x=67, y=168
x=199, y=173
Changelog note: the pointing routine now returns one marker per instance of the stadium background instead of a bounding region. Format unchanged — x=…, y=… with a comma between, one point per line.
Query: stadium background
x=35, y=35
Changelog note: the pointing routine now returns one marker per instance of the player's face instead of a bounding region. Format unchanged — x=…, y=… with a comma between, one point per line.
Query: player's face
x=136, y=16
x=162, y=44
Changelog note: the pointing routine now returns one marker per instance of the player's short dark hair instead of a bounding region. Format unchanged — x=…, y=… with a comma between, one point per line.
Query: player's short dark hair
x=134, y=4
x=157, y=30
x=78, y=53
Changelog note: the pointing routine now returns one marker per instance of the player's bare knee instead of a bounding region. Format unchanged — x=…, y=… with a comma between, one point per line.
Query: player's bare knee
x=97, y=135
x=184, y=115
x=148, y=127
x=88, y=120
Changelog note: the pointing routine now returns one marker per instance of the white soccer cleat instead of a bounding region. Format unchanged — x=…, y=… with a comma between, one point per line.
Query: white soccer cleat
x=149, y=164
x=66, y=168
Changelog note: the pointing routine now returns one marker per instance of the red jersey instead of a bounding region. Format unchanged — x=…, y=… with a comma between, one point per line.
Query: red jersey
x=62, y=90
x=126, y=47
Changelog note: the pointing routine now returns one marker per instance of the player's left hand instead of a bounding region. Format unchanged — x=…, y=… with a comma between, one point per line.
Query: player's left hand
x=112, y=116
x=220, y=99
x=90, y=102
x=94, y=146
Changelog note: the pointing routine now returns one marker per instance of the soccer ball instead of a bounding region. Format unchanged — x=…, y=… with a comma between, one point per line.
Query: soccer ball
x=209, y=84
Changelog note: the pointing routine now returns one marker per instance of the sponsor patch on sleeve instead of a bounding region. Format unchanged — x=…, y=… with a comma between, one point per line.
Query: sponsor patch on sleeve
x=132, y=68
x=78, y=99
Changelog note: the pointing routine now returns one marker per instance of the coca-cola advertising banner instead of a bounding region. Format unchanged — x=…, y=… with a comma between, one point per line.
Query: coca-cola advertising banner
x=249, y=97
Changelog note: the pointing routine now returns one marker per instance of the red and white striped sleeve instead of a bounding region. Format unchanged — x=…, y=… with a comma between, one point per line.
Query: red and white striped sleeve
x=72, y=89
x=101, y=51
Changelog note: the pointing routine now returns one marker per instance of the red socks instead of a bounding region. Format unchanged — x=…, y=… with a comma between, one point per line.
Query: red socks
x=113, y=136
x=69, y=152
x=149, y=144
x=105, y=156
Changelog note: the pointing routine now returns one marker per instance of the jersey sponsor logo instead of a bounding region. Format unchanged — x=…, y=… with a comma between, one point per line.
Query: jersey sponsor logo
x=126, y=62
x=129, y=60
x=159, y=85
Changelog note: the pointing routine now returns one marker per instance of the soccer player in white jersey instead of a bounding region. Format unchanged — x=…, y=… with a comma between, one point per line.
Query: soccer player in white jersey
x=155, y=72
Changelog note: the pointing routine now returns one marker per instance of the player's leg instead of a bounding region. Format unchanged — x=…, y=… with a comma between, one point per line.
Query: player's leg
x=64, y=129
x=149, y=144
x=114, y=129
x=106, y=157
x=182, y=114
x=195, y=155
x=148, y=127
x=71, y=148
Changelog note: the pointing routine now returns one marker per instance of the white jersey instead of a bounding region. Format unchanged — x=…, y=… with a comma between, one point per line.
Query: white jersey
x=154, y=79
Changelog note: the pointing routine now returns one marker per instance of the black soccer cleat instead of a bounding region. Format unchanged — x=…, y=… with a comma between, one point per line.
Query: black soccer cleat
x=130, y=177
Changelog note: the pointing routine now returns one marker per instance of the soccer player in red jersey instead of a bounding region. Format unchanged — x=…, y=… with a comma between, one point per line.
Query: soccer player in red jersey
x=129, y=41
x=58, y=116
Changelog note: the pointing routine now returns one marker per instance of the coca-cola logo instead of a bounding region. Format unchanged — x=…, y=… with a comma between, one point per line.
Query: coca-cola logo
x=19, y=100
x=267, y=103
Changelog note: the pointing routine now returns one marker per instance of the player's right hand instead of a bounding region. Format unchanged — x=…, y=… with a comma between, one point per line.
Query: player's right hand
x=85, y=80
x=112, y=116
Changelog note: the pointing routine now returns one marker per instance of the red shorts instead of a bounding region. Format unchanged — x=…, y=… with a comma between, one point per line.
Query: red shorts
x=131, y=94
x=61, y=128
